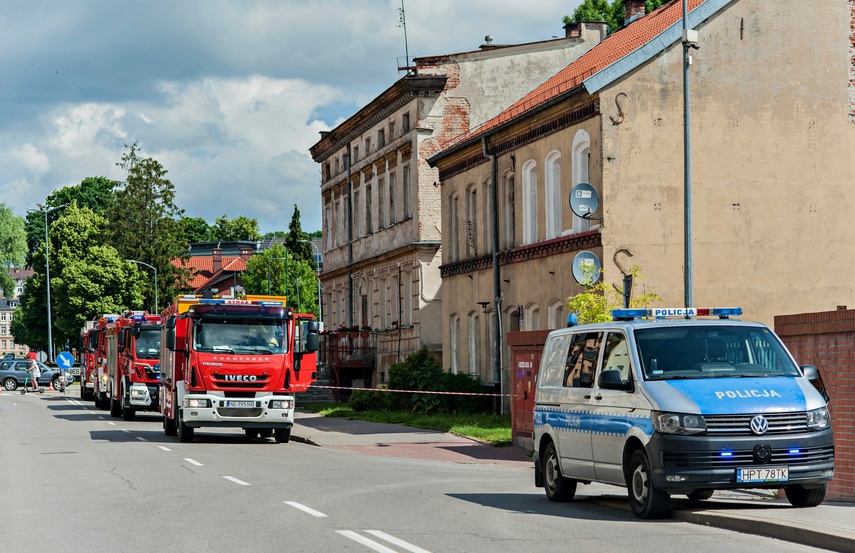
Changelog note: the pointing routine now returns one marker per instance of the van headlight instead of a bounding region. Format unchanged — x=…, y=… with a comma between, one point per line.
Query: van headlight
x=281, y=404
x=818, y=419
x=678, y=423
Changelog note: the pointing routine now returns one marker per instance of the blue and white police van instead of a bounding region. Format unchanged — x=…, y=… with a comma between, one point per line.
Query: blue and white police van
x=665, y=402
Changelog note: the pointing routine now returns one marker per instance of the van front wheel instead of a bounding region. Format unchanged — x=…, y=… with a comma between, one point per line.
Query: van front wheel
x=800, y=496
x=557, y=487
x=646, y=501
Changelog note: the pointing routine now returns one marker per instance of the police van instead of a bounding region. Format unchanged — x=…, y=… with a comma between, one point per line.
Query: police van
x=666, y=402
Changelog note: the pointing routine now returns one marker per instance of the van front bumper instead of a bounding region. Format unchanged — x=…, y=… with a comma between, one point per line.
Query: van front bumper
x=681, y=464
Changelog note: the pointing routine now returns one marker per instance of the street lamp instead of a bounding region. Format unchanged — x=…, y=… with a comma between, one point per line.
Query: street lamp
x=155, y=280
x=269, y=259
x=318, y=274
x=45, y=210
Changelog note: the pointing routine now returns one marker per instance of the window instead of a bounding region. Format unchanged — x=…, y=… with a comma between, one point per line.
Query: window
x=552, y=198
x=326, y=171
x=616, y=355
x=407, y=297
x=357, y=228
x=532, y=317
x=383, y=290
x=555, y=315
x=381, y=204
x=454, y=341
x=474, y=344
x=368, y=223
x=405, y=176
x=381, y=138
x=488, y=216
x=453, y=251
x=491, y=345
x=581, y=171
x=471, y=221
x=355, y=154
x=581, y=361
x=391, y=130
x=367, y=145
x=339, y=227
x=328, y=227
x=405, y=122
x=336, y=166
x=394, y=300
x=393, y=201
x=508, y=212
x=529, y=202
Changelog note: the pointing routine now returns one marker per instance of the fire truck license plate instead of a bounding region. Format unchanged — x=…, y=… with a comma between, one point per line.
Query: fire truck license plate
x=767, y=474
x=245, y=404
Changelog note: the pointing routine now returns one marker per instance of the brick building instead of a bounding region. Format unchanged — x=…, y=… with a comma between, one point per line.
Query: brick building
x=380, y=200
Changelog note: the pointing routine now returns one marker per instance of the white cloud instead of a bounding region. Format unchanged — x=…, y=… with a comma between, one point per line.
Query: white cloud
x=31, y=159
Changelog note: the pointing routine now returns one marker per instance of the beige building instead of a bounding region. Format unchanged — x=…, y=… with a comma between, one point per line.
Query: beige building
x=772, y=107
x=380, y=199
x=7, y=341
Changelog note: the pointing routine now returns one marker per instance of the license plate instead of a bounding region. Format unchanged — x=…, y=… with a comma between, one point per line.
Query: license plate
x=766, y=474
x=244, y=404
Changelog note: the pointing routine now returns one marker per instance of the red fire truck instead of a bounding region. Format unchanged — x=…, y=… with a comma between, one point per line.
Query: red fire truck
x=133, y=364
x=235, y=363
x=86, y=360
x=104, y=326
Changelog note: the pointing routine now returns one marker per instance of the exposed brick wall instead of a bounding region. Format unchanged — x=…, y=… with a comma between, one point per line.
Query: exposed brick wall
x=827, y=341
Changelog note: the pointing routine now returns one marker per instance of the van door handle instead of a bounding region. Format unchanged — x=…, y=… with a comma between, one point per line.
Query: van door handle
x=587, y=396
x=598, y=397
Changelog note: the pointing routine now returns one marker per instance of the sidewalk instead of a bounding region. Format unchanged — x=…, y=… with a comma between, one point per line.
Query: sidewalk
x=829, y=526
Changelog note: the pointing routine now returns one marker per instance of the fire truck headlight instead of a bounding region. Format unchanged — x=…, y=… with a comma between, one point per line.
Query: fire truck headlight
x=281, y=404
x=137, y=393
x=104, y=378
x=191, y=403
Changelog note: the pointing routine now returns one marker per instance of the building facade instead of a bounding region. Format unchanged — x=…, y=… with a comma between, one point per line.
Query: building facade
x=772, y=108
x=380, y=199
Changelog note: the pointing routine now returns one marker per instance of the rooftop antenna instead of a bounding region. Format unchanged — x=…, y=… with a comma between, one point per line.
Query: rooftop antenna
x=403, y=23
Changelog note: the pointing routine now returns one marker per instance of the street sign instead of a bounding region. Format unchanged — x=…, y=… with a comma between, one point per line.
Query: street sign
x=64, y=360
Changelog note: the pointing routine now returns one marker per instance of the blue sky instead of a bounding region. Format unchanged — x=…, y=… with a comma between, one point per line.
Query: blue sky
x=227, y=95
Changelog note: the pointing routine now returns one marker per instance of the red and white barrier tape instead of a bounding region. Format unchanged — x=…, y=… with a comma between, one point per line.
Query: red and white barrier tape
x=410, y=391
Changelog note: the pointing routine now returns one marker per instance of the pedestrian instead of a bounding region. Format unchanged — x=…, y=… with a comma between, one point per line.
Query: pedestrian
x=34, y=370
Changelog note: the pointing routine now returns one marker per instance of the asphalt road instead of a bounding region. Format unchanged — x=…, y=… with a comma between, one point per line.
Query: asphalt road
x=77, y=480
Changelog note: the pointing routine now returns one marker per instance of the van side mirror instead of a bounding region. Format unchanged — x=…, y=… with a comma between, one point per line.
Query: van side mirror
x=810, y=373
x=170, y=334
x=612, y=380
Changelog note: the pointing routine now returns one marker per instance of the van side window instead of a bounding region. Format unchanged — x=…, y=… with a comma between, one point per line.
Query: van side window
x=552, y=363
x=616, y=355
x=582, y=360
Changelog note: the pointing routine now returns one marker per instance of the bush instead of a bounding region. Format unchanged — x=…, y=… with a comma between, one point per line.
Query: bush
x=366, y=400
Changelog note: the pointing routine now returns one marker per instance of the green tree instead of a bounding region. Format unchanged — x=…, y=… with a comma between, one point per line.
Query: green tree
x=239, y=228
x=601, y=10
x=289, y=277
x=294, y=240
x=276, y=234
x=195, y=229
x=145, y=222
x=96, y=193
x=595, y=304
x=13, y=247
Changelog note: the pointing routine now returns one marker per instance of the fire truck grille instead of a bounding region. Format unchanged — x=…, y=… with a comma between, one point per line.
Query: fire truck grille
x=237, y=412
x=259, y=383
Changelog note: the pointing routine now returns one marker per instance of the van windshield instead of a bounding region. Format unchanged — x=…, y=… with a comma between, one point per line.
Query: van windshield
x=711, y=352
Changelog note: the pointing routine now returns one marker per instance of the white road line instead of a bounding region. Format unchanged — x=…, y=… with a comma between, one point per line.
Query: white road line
x=140, y=438
x=126, y=431
x=305, y=509
x=111, y=423
x=236, y=481
x=192, y=462
x=164, y=448
x=101, y=418
x=395, y=541
x=365, y=541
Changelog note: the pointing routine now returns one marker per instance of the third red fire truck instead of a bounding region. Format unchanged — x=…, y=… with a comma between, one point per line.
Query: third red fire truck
x=235, y=363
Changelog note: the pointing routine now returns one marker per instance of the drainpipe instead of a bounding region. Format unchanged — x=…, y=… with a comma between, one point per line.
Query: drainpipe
x=497, y=279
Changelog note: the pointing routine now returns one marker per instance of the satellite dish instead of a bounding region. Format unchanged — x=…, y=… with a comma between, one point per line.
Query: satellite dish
x=586, y=268
x=584, y=200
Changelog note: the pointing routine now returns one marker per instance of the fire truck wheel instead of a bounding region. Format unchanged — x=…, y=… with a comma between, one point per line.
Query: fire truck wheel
x=169, y=426
x=104, y=403
x=282, y=435
x=185, y=433
x=251, y=433
x=115, y=408
x=266, y=433
x=128, y=414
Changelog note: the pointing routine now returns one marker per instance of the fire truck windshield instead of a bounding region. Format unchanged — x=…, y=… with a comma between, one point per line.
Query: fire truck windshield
x=148, y=343
x=239, y=335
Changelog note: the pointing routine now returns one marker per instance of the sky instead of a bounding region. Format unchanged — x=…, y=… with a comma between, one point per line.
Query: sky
x=228, y=95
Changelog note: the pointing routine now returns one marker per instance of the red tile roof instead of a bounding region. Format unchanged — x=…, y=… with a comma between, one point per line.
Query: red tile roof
x=617, y=45
x=202, y=268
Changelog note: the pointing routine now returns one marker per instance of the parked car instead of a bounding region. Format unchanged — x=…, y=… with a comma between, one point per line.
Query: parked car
x=14, y=374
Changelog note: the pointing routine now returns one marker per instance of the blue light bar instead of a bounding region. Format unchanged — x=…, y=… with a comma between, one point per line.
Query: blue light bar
x=273, y=303
x=629, y=313
x=795, y=451
x=682, y=312
x=727, y=454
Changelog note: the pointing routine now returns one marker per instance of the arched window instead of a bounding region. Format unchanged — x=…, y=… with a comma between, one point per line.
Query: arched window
x=555, y=315
x=508, y=211
x=488, y=216
x=454, y=342
x=552, y=198
x=471, y=221
x=581, y=171
x=529, y=173
x=328, y=229
x=474, y=344
x=532, y=317
x=453, y=240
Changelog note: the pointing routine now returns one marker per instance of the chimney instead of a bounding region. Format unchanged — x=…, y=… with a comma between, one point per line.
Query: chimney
x=632, y=10
x=245, y=252
x=217, y=258
x=573, y=30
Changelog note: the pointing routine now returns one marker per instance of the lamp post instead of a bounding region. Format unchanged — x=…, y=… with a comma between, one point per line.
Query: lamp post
x=155, y=280
x=269, y=259
x=45, y=210
x=318, y=274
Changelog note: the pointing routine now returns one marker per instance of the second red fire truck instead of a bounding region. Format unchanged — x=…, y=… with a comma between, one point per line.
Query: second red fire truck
x=133, y=363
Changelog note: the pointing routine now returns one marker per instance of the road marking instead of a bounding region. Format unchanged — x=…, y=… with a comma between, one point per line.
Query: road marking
x=192, y=462
x=365, y=541
x=305, y=509
x=164, y=448
x=396, y=541
x=111, y=423
x=140, y=438
x=236, y=481
x=126, y=431
x=101, y=418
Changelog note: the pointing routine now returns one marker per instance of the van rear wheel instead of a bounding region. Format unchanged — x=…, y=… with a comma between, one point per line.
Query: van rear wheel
x=558, y=488
x=646, y=501
x=800, y=496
